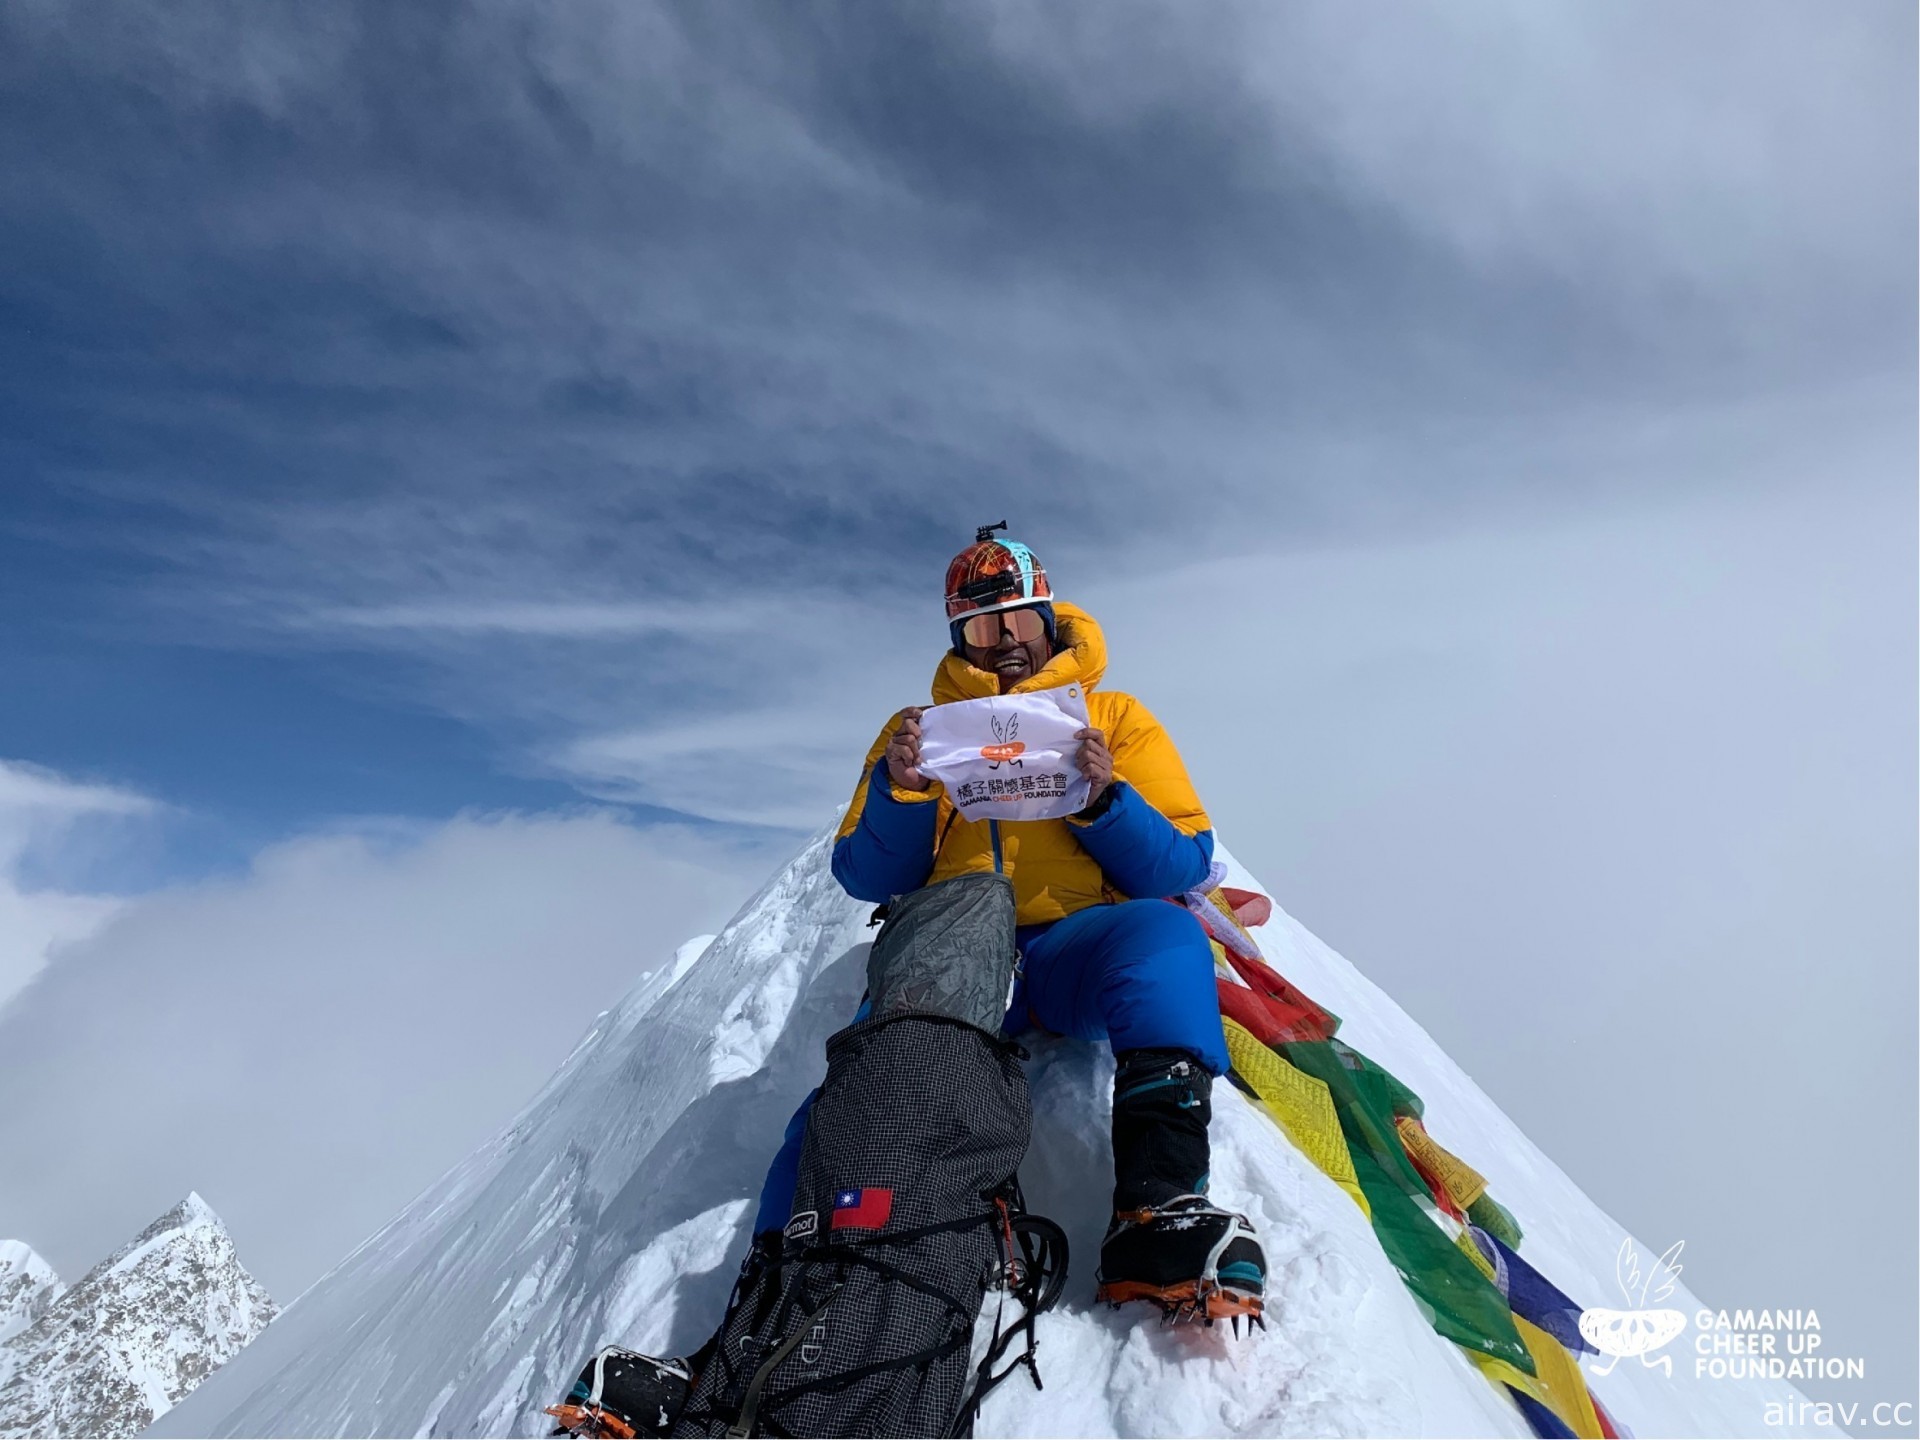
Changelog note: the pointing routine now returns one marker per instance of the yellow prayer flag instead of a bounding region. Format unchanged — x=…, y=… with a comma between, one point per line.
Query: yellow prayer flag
x=1301, y=1105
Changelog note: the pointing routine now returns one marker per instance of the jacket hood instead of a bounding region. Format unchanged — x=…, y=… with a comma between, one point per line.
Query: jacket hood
x=1080, y=657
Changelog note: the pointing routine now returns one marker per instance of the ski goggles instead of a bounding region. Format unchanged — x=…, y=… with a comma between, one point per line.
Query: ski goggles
x=1024, y=625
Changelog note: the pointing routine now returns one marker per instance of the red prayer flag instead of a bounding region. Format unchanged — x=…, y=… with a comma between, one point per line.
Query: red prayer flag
x=1249, y=907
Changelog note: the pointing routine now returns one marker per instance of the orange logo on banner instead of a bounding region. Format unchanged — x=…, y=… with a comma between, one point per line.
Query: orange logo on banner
x=1007, y=747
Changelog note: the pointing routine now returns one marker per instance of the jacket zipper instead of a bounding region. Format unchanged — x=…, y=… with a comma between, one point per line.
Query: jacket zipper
x=993, y=829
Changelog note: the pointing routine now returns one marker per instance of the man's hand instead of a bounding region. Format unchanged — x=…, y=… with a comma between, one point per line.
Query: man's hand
x=1095, y=762
x=903, y=752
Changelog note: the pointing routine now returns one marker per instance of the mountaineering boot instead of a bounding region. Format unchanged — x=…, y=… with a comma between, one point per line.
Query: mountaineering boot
x=623, y=1393
x=1168, y=1243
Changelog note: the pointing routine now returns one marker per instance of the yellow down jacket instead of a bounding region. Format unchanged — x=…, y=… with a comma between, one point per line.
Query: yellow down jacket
x=1052, y=874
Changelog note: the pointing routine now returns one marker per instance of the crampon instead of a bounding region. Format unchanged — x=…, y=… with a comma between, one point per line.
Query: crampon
x=588, y=1420
x=1185, y=1304
x=623, y=1394
x=1193, y=1260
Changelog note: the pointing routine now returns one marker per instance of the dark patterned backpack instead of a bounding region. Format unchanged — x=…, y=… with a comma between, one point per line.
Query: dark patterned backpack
x=908, y=1210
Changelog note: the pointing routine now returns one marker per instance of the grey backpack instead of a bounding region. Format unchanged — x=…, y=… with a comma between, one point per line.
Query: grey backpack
x=908, y=1209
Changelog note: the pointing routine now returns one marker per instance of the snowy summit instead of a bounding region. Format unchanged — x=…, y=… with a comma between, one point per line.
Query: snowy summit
x=616, y=1209
x=134, y=1337
x=27, y=1287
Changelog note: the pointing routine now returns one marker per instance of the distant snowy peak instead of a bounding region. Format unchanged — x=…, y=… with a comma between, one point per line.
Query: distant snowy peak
x=27, y=1287
x=133, y=1338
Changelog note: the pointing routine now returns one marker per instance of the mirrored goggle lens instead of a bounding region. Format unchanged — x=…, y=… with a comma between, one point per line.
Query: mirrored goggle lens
x=984, y=631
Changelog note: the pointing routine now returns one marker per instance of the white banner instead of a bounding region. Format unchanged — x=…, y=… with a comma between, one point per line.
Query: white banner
x=1008, y=757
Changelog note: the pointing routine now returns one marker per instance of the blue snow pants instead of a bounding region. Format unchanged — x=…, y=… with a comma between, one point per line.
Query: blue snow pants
x=1138, y=975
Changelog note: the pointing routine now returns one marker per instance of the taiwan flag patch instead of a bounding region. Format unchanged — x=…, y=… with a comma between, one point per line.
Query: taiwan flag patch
x=866, y=1209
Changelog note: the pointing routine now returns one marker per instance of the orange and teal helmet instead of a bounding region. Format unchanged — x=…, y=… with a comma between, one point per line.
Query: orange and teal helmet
x=992, y=575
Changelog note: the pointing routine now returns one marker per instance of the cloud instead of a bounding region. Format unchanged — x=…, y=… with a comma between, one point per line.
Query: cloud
x=311, y=1044
x=771, y=768
x=599, y=369
x=1558, y=137
x=35, y=925
x=33, y=794
x=45, y=819
x=919, y=261
x=545, y=618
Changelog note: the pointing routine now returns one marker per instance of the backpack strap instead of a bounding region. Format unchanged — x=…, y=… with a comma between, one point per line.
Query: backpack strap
x=750, y=1402
x=1035, y=1276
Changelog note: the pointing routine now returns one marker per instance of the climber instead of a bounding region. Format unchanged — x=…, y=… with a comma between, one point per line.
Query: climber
x=1102, y=955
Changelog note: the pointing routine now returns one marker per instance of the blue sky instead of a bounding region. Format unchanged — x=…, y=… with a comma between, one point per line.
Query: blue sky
x=423, y=431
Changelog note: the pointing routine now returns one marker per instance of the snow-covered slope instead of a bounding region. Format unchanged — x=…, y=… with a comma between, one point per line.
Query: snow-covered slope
x=144, y=1327
x=616, y=1208
x=27, y=1287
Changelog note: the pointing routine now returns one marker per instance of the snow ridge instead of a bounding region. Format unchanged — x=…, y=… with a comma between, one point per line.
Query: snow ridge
x=139, y=1333
x=617, y=1206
